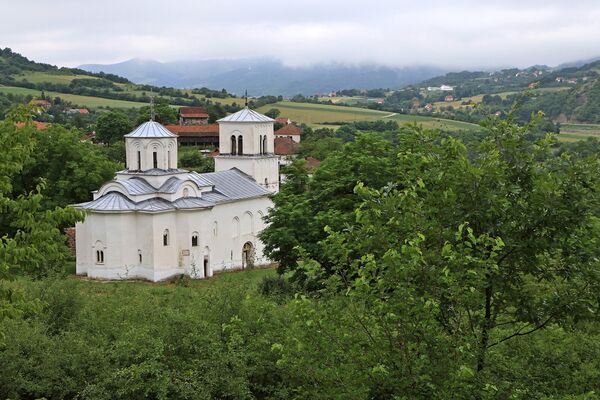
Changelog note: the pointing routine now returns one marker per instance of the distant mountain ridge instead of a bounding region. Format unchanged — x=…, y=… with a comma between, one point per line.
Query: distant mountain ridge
x=266, y=76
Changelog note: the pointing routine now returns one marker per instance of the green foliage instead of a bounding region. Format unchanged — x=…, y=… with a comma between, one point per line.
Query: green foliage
x=70, y=169
x=192, y=159
x=273, y=113
x=31, y=241
x=112, y=126
x=163, y=113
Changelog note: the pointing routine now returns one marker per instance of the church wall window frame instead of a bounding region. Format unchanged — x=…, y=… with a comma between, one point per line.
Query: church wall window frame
x=240, y=145
x=195, y=237
x=233, y=145
x=166, y=238
x=154, y=158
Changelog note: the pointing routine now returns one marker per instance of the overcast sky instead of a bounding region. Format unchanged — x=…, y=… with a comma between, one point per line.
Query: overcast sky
x=450, y=33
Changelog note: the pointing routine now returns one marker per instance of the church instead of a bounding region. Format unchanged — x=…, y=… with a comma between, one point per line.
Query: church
x=154, y=221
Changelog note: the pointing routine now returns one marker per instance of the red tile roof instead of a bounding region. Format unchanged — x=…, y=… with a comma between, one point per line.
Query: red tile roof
x=285, y=146
x=41, y=102
x=39, y=125
x=288, y=130
x=312, y=163
x=282, y=120
x=193, y=112
x=194, y=130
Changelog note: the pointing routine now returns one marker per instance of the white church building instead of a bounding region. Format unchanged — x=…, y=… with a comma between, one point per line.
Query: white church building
x=154, y=220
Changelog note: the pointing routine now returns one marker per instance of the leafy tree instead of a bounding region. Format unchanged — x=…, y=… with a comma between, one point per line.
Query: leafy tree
x=70, y=169
x=273, y=113
x=31, y=240
x=163, y=113
x=191, y=158
x=495, y=242
x=112, y=126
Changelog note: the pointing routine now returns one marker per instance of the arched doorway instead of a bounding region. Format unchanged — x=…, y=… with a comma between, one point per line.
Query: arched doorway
x=247, y=255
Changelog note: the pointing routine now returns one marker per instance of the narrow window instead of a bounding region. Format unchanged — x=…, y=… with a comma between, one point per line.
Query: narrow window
x=99, y=257
x=155, y=159
x=194, y=240
x=233, y=145
x=266, y=182
x=264, y=145
x=139, y=160
x=240, y=145
x=168, y=160
x=140, y=255
x=166, y=238
x=260, y=144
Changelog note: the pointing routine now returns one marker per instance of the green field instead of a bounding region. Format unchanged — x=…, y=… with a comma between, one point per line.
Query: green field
x=574, y=132
x=39, y=77
x=84, y=101
x=316, y=115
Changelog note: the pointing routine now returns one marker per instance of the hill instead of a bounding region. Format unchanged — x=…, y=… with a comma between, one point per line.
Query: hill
x=265, y=76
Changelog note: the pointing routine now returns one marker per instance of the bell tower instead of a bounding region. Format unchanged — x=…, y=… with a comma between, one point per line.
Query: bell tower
x=246, y=142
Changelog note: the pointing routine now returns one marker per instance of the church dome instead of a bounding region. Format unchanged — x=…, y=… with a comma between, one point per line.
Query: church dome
x=150, y=129
x=246, y=115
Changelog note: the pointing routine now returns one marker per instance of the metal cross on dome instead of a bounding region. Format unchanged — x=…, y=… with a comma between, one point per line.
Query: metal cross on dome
x=151, y=108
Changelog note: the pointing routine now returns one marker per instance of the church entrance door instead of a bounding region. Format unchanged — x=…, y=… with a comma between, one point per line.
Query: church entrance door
x=247, y=255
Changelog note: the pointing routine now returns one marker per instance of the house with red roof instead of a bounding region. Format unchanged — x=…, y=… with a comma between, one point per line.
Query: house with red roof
x=283, y=120
x=196, y=135
x=193, y=116
x=290, y=131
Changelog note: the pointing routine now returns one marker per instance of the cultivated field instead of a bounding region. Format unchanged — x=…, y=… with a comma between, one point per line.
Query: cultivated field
x=317, y=115
x=573, y=132
x=85, y=101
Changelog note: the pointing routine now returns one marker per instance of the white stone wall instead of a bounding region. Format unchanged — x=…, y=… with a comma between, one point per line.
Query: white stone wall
x=166, y=149
x=264, y=169
x=124, y=236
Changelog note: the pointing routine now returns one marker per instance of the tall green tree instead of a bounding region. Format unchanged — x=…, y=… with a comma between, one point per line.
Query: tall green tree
x=495, y=242
x=163, y=113
x=112, y=126
x=31, y=240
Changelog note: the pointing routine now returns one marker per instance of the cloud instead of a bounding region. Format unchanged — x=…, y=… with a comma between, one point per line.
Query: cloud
x=455, y=34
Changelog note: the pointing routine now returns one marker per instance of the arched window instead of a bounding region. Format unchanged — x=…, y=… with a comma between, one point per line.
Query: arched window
x=233, y=145
x=240, y=145
x=139, y=160
x=155, y=159
x=166, y=237
x=168, y=160
x=194, y=239
x=99, y=256
x=140, y=255
x=264, y=144
x=260, y=144
x=266, y=182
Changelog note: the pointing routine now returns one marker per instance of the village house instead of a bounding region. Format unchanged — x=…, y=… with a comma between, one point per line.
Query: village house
x=283, y=120
x=155, y=220
x=290, y=131
x=71, y=111
x=449, y=98
x=194, y=129
x=193, y=116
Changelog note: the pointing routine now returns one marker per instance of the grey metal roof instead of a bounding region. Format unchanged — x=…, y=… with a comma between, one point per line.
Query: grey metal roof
x=234, y=184
x=230, y=185
x=150, y=129
x=137, y=186
x=111, y=201
x=246, y=115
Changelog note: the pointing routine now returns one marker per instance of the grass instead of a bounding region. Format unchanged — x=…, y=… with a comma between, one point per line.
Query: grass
x=574, y=132
x=39, y=77
x=85, y=101
x=316, y=115
x=478, y=98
